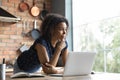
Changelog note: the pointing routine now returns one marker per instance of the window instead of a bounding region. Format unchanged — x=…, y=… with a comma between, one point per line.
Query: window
x=96, y=27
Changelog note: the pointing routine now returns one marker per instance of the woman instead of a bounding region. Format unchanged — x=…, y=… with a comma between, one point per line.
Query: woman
x=48, y=49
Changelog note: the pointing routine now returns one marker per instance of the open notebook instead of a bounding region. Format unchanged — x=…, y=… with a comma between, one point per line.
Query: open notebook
x=26, y=75
x=78, y=63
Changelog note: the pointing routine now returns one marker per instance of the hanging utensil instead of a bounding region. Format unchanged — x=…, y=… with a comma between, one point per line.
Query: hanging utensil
x=44, y=12
x=35, y=33
x=23, y=28
x=35, y=10
x=23, y=6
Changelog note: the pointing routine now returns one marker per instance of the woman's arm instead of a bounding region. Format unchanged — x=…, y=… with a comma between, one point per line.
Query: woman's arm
x=42, y=53
x=52, y=69
x=43, y=57
x=58, y=48
x=64, y=56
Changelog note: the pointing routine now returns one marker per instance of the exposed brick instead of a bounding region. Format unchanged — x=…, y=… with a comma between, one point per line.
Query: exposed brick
x=5, y=3
x=10, y=32
x=7, y=41
x=15, y=37
x=14, y=1
x=2, y=44
x=5, y=48
x=11, y=38
x=12, y=44
x=4, y=36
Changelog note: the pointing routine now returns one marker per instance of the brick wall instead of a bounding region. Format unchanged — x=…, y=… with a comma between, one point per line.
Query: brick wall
x=12, y=34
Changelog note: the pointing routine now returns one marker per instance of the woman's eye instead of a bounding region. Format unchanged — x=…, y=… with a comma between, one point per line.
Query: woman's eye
x=61, y=29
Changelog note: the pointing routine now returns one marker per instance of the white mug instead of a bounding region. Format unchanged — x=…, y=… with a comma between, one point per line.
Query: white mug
x=2, y=71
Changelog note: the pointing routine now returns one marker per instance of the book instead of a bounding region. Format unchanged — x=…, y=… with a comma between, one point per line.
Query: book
x=25, y=75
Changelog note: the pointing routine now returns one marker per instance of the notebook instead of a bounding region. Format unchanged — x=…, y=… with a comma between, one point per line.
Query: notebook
x=78, y=63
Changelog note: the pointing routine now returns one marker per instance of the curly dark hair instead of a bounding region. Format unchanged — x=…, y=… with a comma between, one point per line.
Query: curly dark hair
x=50, y=22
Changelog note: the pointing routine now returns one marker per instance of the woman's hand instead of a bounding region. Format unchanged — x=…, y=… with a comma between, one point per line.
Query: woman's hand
x=49, y=69
x=60, y=44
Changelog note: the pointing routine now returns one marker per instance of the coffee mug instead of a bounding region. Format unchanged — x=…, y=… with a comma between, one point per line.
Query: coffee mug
x=2, y=71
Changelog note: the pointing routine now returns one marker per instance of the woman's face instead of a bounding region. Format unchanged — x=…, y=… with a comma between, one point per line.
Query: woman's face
x=60, y=31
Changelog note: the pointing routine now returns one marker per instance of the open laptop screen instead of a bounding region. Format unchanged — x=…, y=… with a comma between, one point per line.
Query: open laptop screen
x=79, y=63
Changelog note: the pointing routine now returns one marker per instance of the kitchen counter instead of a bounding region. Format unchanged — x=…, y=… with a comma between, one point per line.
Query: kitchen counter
x=96, y=76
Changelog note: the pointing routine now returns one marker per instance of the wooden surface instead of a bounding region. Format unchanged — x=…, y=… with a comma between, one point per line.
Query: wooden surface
x=33, y=78
x=96, y=76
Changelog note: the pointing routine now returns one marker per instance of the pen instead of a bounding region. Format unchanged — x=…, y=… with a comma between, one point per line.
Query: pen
x=3, y=60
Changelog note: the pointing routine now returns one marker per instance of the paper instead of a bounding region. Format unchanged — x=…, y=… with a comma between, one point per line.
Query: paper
x=24, y=74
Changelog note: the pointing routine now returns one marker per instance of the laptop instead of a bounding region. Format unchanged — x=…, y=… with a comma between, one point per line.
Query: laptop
x=77, y=64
